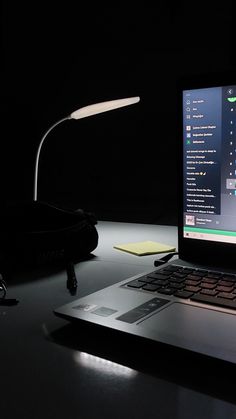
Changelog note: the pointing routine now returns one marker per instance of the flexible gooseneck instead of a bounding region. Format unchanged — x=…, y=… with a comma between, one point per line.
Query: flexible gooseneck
x=38, y=154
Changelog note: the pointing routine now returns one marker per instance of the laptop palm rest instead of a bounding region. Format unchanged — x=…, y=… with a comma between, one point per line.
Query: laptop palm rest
x=199, y=329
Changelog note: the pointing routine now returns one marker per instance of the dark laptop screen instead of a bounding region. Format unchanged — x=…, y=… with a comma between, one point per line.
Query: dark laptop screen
x=209, y=163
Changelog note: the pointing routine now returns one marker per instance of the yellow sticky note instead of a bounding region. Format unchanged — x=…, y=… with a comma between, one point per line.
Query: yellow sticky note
x=145, y=248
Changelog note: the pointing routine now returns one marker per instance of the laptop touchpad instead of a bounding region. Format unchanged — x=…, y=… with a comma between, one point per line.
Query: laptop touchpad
x=195, y=328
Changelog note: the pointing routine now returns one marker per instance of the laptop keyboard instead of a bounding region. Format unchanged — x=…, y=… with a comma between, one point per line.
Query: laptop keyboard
x=210, y=287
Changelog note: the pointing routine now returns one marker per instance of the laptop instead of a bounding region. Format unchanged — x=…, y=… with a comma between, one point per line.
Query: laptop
x=189, y=302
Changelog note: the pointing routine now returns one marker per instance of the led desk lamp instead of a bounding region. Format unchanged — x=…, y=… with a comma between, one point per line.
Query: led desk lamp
x=34, y=228
x=79, y=114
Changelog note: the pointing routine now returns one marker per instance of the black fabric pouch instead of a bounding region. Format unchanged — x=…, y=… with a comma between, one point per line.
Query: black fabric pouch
x=36, y=233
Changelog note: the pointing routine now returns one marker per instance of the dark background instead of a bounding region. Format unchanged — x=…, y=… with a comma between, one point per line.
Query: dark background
x=122, y=164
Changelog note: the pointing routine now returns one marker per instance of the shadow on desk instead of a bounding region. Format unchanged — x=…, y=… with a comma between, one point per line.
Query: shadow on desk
x=184, y=368
x=26, y=271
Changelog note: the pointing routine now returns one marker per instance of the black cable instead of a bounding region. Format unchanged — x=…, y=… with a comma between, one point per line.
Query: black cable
x=3, y=287
x=8, y=301
x=165, y=259
x=71, y=277
x=3, y=300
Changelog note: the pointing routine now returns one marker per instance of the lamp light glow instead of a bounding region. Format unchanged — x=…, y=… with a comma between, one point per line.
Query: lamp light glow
x=79, y=114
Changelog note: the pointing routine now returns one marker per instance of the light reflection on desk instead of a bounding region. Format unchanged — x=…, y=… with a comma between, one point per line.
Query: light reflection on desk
x=103, y=366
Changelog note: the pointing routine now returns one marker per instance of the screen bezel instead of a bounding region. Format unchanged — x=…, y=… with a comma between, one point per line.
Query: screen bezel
x=197, y=250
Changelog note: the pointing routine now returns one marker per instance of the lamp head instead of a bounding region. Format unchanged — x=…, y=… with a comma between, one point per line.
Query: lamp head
x=103, y=107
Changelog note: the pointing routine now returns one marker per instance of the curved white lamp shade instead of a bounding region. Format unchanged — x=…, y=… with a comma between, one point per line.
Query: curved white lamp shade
x=103, y=107
x=79, y=114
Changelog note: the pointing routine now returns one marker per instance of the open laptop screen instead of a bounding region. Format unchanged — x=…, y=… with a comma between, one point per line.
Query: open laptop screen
x=209, y=163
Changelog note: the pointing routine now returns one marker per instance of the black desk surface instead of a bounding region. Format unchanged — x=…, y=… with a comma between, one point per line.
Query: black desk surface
x=51, y=369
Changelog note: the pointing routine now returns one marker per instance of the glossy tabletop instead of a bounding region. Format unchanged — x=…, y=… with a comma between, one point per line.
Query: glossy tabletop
x=53, y=369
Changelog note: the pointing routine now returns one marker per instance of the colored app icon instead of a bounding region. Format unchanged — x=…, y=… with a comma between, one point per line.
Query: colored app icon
x=231, y=99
